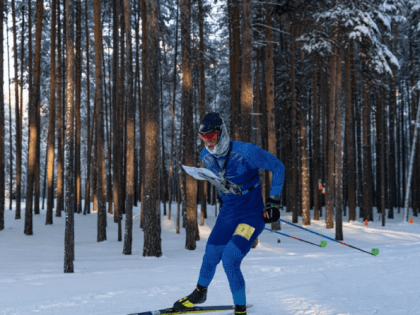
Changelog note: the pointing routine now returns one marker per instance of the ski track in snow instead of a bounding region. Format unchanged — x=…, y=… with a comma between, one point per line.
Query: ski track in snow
x=290, y=277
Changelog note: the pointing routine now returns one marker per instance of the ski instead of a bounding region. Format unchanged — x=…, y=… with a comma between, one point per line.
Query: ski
x=192, y=310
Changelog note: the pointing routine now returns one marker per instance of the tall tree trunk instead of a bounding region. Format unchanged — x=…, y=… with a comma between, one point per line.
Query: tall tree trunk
x=317, y=168
x=186, y=103
x=246, y=75
x=51, y=125
x=270, y=94
x=173, y=115
x=349, y=134
x=330, y=189
x=380, y=125
x=60, y=121
x=236, y=65
x=69, y=230
x=17, y=119
x=291, y=202
x=89, y=132
x=143, y=105
x=338, y=153
x=22, y=50
x=78, y=60
x=203, y=195
x=115, y=106
x=152, y=228
x=10, y=122
x=367, y=167
x=2, y=130
x=100, y=145
x=304, y=158
x=131, y=143
x=35, y=99
x=137, y=99
x=121, y=120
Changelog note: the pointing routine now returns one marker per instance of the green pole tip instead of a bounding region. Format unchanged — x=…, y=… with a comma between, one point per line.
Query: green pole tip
x=375, y=251
x=323, y=243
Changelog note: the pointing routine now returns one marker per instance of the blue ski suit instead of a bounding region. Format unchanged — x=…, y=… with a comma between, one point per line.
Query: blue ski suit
x=240, y=220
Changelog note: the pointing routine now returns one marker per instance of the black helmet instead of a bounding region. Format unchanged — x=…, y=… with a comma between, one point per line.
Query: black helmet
x=211, y=123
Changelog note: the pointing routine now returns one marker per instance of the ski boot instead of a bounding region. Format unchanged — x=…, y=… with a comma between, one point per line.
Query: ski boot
x=240, y=309
x=198, y=296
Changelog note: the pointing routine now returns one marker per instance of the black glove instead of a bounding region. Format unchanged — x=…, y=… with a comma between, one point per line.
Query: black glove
x=271, y=210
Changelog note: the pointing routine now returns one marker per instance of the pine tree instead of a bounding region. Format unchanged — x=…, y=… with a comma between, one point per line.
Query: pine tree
x=246, y=74
x=51, y=126
x=187, y=106
x=131, y=114
x=99, y=143
x=33, y=129
x=2, y=128
x=150, y=207
x=70, y=193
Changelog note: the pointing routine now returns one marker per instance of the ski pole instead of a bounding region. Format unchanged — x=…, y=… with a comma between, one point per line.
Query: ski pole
x=323, y=243
x=374, y=252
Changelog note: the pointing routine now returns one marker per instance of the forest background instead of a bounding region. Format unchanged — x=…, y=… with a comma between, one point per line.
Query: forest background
x=329, y=87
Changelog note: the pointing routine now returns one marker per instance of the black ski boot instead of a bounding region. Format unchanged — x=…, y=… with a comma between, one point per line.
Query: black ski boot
x=240, y=309
x=198, y=296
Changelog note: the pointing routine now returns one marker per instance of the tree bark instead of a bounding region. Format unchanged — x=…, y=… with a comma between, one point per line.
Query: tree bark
x=349, y=134
x=143, y=105
x=17, y=120
x=69, y=229
x=246, y=75
x=52, y=118
x=152, y=228
x=304, y=158
x=60, y=122
x=131, y=114
x=78, y=57
x=2, y=128
x=270, y=94
x=10, y=124
x=173, y=116
x=33, y=106
x=115, y=108
x=89, y=132
x=380, y=125
x=203, y=195
x=236, y=71
x=330, y=189
x=317, y=167
x=292, y=202
x=100, y=145
x=338, y=153
x=186, y=103
x=367, y=167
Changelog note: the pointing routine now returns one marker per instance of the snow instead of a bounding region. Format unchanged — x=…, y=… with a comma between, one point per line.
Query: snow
x=290, y=277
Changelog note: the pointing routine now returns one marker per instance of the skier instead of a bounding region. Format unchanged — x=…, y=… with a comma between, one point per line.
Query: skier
x=242, y=215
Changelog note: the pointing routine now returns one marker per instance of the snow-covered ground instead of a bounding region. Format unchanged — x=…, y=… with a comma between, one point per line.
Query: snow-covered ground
x=289, y=277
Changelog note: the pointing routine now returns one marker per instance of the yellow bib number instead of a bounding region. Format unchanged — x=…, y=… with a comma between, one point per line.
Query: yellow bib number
x=244, y=230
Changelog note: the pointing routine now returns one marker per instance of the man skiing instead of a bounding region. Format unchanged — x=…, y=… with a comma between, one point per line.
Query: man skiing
x=242, y=215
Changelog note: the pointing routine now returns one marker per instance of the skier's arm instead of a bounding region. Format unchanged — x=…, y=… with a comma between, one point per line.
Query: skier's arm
x=265, y=160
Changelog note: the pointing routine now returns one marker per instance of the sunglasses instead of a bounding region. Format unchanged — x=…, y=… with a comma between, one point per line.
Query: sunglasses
x=209, y=136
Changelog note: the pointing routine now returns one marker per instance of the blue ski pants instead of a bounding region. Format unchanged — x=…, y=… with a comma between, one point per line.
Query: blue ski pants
x=230, y=240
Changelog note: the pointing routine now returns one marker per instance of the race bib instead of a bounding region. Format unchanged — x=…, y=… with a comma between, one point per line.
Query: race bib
x=244, y=230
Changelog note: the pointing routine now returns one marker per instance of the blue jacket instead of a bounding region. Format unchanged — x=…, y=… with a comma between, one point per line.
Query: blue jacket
x=244, y=161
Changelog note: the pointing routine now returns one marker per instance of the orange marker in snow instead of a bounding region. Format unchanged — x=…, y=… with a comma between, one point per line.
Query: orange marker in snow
x=411, y=220
x=366, y=222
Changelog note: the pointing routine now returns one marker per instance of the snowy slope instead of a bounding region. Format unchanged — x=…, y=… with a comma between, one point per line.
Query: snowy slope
x=290, y=277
